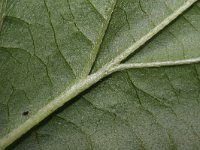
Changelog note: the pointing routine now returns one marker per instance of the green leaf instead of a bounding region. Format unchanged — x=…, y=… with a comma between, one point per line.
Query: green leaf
x=51, y=52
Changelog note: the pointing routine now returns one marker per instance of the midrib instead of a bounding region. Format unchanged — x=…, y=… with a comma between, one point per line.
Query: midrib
x=90, y=80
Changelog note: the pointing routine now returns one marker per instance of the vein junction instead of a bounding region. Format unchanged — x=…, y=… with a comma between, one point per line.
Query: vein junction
x=90, y=80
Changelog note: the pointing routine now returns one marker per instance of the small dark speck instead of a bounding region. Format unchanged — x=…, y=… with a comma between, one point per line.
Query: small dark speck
x=25, y=113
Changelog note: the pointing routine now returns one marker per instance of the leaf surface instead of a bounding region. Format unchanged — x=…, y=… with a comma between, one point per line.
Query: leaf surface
x=47, y=46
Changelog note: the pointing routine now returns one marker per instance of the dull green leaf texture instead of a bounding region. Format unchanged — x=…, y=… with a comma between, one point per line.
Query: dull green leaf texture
x=47, y=46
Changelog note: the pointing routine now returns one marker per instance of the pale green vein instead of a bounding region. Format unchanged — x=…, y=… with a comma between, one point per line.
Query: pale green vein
x=83, y=84
x=156, y=64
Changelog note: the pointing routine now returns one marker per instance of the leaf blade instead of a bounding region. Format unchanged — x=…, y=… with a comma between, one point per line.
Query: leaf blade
x=93, y=78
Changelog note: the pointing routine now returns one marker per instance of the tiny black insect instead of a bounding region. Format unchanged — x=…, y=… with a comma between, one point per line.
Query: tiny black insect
x=25, y=113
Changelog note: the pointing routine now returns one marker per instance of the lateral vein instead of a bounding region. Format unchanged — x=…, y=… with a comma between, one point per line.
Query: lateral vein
x=153, y=32
x=87, y=82
x=155, y=64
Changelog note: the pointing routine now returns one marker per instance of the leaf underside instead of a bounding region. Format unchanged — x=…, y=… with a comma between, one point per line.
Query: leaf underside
x=46, y=46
